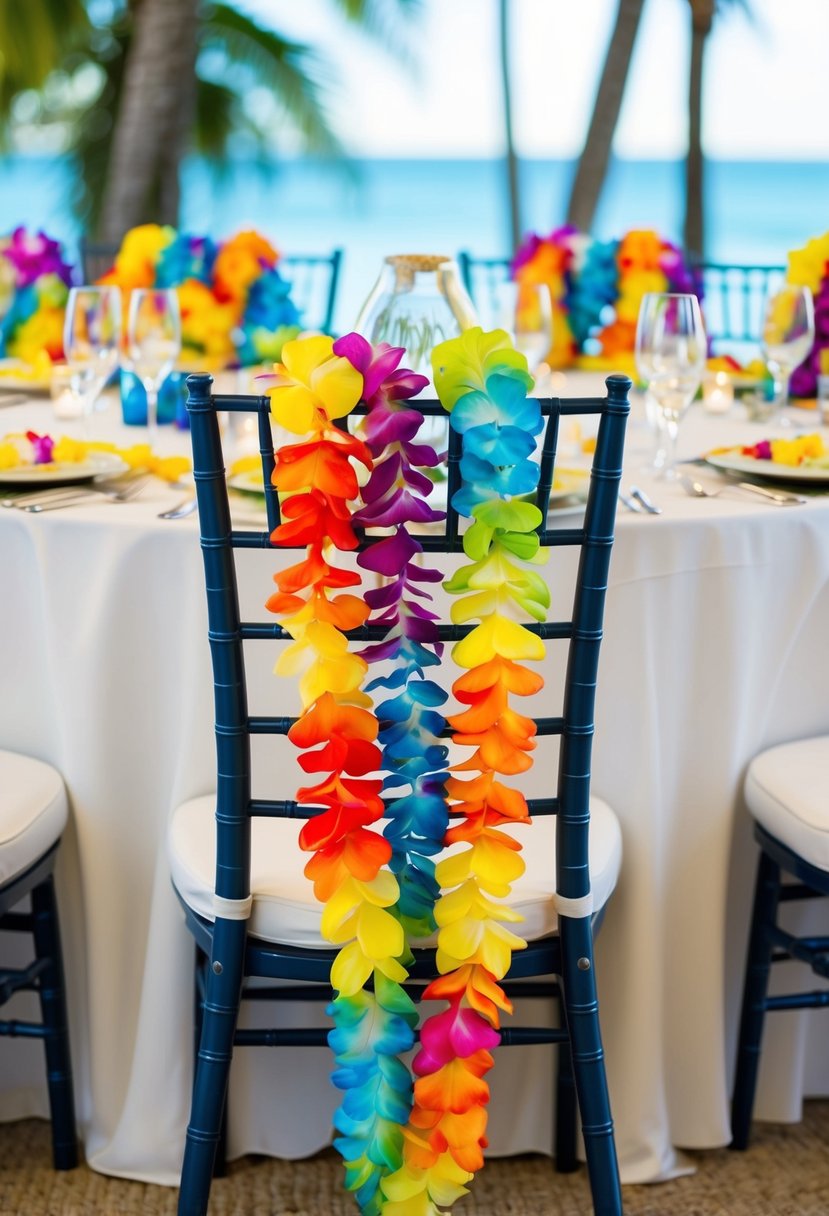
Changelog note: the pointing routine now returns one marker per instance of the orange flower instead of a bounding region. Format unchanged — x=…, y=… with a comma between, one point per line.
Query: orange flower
x=240, y=261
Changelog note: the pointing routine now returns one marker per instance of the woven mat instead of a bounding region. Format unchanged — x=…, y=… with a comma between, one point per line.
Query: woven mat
x=784, y=1173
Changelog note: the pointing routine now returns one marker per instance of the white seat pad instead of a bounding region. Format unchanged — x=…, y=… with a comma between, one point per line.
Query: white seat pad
x=284, y=907
x=32, y=812
x=787, y=792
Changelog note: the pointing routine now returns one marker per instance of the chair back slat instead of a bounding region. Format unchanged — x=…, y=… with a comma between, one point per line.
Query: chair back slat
x=228, y=632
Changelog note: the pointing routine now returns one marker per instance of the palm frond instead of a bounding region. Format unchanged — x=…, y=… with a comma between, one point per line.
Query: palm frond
x=380, y=19
x=217, y=117
x=35, y=37
x=292, y=71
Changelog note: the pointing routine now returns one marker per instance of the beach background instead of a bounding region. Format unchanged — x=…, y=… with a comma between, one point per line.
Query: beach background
x=758, y=210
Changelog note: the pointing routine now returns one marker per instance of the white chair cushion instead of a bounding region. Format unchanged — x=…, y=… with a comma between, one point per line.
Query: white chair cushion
x=284, y=907
x=787, y=792
x=32, y=812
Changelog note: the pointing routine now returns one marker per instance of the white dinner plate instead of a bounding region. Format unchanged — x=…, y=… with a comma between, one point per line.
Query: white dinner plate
x=97, y=464
x=733, y=463
x=249, y=482
x=15, y=377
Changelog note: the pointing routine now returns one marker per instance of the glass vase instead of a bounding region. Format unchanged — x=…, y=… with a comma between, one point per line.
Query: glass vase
x=417, y=302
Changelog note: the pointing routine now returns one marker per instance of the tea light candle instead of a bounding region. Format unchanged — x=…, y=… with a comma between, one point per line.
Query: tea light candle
x=718, y=394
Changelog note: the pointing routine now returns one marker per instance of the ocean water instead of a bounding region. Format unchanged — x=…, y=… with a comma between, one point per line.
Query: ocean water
x=756, y=212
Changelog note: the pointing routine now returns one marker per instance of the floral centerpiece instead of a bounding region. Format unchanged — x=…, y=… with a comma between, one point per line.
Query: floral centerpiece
x=809, y=267
x=596, y=288
x=235, y=306
x=236, y=309
x=34, y=285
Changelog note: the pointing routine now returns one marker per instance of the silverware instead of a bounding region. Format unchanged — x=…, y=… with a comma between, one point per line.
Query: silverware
x=182, y=509
x=641, y=497
x=781, y=498
x=631, y=503
x=125, y=493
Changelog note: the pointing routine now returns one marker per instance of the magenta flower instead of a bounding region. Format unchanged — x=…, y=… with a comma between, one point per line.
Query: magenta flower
x=42, y=446
x=454, y=1034
x=33, y=255
x=375, y=364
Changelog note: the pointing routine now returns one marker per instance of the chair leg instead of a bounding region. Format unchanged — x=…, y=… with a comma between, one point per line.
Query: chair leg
x=221, y=1010
x=202, y=968
x=566, y=1107
x=582, y=1017
x=758, y=968
x=52, y=993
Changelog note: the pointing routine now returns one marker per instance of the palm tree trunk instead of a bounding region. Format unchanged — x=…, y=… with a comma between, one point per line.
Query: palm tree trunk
x=595, y=157
x=511, y=157
x=702, y=15
x=153, y=118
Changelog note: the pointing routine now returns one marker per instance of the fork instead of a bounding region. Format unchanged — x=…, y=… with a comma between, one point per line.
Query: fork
x=780, y=498
x=642, y=498
x=182, y=509
x=125, y=493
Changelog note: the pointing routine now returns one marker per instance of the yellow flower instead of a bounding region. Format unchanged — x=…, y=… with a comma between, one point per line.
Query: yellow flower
x=139, y=253
x=9, y=456
x=41, y=334
x=807, y=266
x=314, y=386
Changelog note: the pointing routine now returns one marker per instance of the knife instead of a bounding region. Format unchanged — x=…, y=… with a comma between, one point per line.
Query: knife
x=781, y=497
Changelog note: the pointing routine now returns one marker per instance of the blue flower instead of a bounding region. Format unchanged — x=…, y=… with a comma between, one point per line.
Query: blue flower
x=504, y=402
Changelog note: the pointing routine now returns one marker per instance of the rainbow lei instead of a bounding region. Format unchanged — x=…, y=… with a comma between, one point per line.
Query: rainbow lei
x=410, y=1151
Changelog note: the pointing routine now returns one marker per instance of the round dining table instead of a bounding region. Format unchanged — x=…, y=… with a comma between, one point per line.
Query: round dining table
x=715, y=648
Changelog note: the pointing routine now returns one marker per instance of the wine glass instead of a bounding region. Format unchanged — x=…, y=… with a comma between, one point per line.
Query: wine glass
x=788, y=336
x=670, y=355
x=153, y=342
x=91, y=338
x=523, y=310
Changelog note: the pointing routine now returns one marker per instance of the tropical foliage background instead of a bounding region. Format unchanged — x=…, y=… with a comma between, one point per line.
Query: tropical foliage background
x=133, y=85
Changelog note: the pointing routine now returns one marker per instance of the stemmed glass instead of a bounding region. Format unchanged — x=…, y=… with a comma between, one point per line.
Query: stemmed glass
x=788, y=336
x=91, y=339
x=523, y=310
x=670, y=355
x=153, y=342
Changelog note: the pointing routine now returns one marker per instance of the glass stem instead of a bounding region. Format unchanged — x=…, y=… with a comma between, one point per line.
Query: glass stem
x=672, y=433
x=152, y=408
x=780, y=380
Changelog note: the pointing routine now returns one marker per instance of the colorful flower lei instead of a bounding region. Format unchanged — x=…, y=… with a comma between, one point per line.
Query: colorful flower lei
x=235, y=306
x=410, y=1151
x=34, y=285
x=809, y=267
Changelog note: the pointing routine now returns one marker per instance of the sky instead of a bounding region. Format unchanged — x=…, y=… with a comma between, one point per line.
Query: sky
x=764, y=88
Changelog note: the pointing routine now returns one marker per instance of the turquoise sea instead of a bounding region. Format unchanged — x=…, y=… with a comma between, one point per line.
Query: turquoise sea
x=756, y=212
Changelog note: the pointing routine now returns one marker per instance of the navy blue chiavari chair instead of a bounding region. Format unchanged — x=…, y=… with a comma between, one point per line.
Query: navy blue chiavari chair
x=787, y=793
x=33, y=811
x=228, y=888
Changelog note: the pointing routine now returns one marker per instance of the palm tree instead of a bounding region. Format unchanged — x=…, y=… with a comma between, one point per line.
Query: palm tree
x=593, y=162
x=513, y=190
x=170, y=74
x=693, y=234
x=703, y=13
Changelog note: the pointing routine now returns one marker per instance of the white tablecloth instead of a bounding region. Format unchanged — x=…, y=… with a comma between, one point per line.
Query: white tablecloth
x=715, y=648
